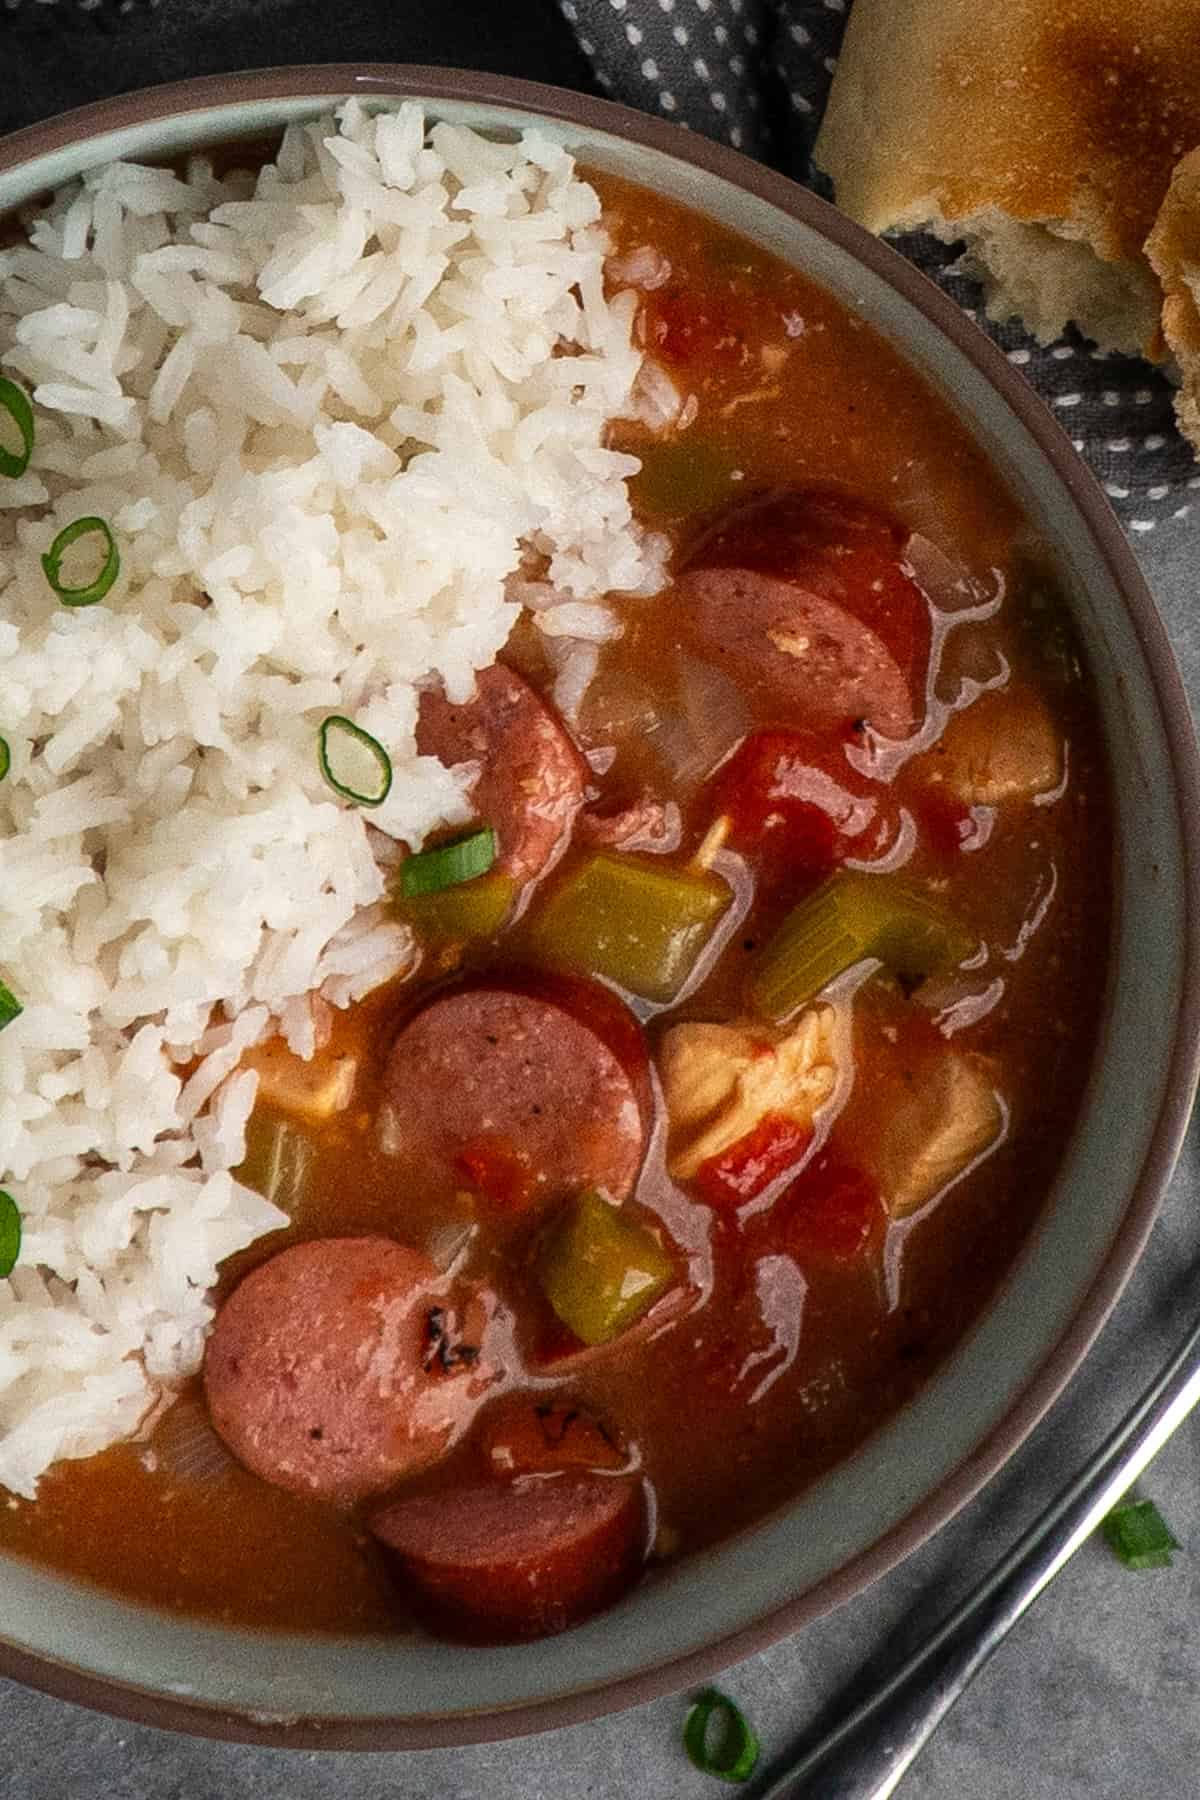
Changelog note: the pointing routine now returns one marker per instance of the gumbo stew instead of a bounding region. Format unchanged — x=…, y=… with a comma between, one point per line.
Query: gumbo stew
x=748, y=1026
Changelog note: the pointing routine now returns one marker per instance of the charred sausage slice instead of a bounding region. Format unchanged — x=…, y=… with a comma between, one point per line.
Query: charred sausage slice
x=802, y=653
x=547, y=1086
x=516, y=1561
x=343, y=1364
x=532, y=778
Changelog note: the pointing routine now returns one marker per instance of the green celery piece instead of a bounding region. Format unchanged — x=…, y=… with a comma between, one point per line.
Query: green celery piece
x=601, y=1271
x=472, y=909
x=279, y=1161
x=852, y=916
x=632, y=920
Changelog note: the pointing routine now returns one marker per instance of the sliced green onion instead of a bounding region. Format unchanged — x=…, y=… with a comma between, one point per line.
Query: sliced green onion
x=88, y=592
x=5, y=758
x=729, y=1751
x=848, y=918
x=10, y=1006
x=446, y=865
x=355, y=764
x=15, y=402
x=1137, y=1533
x=10, y=1234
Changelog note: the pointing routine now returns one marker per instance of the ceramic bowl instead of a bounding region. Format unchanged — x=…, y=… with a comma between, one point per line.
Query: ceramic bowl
x=911, y=1477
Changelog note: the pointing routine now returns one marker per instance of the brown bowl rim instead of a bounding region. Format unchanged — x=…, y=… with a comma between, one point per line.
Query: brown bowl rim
x=398, y=80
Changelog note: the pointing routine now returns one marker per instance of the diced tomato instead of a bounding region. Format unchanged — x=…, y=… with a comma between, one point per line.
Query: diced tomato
x=684, y=326
x=837, y=547
x=495, y=1167
x=830, y=1213
x=537, y=1438
x=554, y=1343
x=740, y=1173
x=946, y=823
x=793, y=798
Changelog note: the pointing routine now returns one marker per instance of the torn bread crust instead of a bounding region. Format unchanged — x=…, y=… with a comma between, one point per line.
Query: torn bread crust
x=1174, y=250
x=1042, y=136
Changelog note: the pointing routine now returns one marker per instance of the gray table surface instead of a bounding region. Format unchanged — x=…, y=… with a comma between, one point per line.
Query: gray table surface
x=1095, y=1696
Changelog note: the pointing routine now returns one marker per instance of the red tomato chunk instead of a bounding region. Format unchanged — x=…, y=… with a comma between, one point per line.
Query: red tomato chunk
x=831, y=1212
x=742, y=1172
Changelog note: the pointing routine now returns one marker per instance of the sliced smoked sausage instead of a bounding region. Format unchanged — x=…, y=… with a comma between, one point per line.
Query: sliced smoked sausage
x=804, y=654
x=512, y=1561
x=532, y=778
x=343, y=1364
x=547, y=1087
x=805, y=594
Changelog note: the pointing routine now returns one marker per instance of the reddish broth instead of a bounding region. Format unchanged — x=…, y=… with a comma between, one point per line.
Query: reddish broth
x=818, y=1317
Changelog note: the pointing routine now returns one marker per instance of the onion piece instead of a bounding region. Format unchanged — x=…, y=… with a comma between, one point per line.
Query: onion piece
x=945, y=583
x=642, y=267
x=186, y=1445
x=713, y=718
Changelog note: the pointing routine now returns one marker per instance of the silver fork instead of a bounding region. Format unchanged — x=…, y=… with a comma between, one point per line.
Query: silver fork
x=865, y=1757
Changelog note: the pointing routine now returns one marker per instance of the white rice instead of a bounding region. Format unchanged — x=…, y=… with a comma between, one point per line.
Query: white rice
x=329, y=409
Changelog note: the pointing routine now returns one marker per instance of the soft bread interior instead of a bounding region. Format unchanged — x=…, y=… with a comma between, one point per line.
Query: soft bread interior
x=1046, y=274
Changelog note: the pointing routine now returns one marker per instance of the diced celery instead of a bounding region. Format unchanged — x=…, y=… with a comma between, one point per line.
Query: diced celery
x=472, y=909
x=279, y=1161
x=631, y=919
x=850, y=917
x=601, y=1271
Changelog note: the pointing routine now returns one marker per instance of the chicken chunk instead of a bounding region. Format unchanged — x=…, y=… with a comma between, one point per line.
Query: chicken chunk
x=720, y=1081
x=951, y=1118
x=1003, y=747
x=311, y=1091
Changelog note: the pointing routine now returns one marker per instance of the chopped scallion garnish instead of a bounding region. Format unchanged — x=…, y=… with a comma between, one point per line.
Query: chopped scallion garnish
x=10, y=1006
x=5, y=758
x=718, y=1739
x=88, y=592
x=446, y=865
x=1137, y=1532
x=10, y=1234
x=355, y=764
x=15, y=402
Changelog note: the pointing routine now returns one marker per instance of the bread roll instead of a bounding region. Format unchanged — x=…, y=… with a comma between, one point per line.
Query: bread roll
x=1042, y=132
x=1173, y=248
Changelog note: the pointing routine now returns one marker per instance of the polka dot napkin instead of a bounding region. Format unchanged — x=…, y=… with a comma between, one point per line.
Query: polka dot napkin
x=756, y=73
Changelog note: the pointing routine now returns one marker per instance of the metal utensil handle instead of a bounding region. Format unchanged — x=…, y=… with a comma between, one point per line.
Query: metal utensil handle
x=865, y=1757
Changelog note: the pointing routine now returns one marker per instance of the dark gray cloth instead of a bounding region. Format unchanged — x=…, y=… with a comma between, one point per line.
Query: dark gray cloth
x=756, y=74
x=56, y=54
